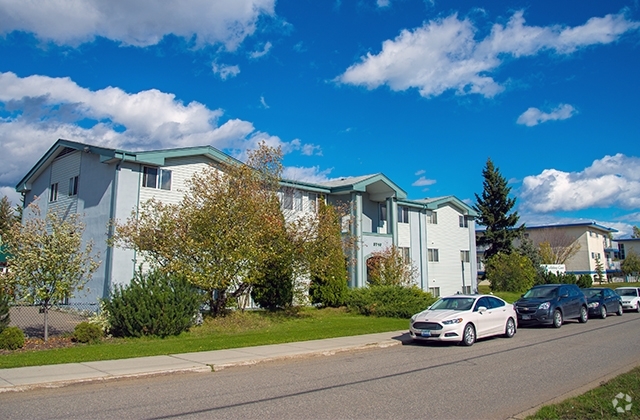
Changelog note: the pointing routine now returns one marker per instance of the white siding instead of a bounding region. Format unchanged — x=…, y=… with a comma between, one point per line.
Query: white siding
x=63, y=169
x=182, y=169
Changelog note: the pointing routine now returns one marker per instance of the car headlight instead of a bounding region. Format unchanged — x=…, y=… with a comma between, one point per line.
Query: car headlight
x=593, y=304
x=452, y=321
x=413, y=318
x=544, y=306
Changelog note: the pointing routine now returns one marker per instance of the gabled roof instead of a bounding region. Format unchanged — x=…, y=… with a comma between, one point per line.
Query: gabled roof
x=376, y=185
x=437, y=202
x=108, y=155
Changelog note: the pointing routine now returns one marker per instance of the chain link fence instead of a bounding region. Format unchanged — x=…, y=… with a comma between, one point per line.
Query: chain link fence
x=62, y=318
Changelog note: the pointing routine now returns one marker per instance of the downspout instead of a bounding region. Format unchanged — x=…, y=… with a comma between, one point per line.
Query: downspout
x=112, y=217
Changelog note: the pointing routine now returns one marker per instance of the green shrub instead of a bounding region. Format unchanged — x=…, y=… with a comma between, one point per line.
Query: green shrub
x=510, y=272
x=388, y=301
x=86, y=332
x=4, y=310
x=584, y=281
x=11, y=338
x=274, y=288
x=153, y=304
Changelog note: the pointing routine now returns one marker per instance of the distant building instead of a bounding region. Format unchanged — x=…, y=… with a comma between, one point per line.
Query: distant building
x=594, y=243
x=437, y=235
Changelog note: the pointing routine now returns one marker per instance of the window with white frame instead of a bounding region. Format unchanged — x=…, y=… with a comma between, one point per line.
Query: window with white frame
x=463, y=222
x=464, y=256
x=287, y=200
x=432, y=218
x=313, y=202
x=435, y=291
x=403, y=214
x=53, y=192
x=406, y=256
x=433, y=254
x=158, y=178
x=73, y=186
x=297, y=200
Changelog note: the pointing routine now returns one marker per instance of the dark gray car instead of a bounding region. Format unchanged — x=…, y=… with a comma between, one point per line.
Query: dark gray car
x=551, y=304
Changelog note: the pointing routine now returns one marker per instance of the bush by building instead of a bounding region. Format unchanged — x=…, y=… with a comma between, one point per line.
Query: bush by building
x=86, y=332
x=388, y=301
x=154, y=304
x=11, y=338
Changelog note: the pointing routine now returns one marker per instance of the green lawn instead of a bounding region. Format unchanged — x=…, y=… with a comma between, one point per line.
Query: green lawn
x=598, y=403
x=251, y=328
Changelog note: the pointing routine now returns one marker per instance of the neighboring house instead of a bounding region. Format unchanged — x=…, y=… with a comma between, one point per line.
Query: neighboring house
x=103, y=184
x=593, y=243
x=625, y=246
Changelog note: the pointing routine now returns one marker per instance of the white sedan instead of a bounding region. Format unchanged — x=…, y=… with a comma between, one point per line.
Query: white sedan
x=630, y=297
x=464, y=318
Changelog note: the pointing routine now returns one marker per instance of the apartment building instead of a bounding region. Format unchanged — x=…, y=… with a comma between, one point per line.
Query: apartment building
x=437, y=235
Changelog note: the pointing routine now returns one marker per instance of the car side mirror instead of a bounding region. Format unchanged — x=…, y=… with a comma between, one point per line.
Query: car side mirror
x=482, y=309
x=564, y=295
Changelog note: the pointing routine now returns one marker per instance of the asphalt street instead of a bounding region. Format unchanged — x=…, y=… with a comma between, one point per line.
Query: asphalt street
x=497, y=378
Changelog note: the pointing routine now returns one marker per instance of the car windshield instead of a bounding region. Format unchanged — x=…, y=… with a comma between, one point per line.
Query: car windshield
x=453, y=303
x=542, y=292
x=627, y=292
x=589, y=293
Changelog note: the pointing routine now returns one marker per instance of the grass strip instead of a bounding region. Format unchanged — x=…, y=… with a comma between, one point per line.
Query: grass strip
x=240, y=329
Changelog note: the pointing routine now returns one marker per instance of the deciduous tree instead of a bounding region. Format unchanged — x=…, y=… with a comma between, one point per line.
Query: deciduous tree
x=494, y=209
x=510, y=272
x=219, y=236
x=389, y=268
x=48, y=259
x=631, y=264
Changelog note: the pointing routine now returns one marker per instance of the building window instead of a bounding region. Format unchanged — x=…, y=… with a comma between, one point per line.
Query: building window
x=297, y=201
x=435, y=291
x=593, y=255
x=432, y=218
x=383, y=212
x=287, y=200
x=403, y=214
x=464, y=256
x=433, y=254
x=73, y=186
x=463, y=222
x=53, y=192
x=406, y=257
x=313, y=202
x=156, y=178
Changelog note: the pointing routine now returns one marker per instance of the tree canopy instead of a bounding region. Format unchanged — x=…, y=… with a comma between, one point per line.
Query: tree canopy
x=218, y=237
x=48, y=260
x=494, y=207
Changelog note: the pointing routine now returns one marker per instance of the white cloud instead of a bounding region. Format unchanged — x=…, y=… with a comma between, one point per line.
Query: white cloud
x=225, y=71
x=263, y=102
x=533, y=116
x=135, y=23
x=383, y=3
x=43, y=109
x=444, y=54
x=609, y=182
x=312, y=175
x=420, y=172
x=423, y=182
x=261, y=53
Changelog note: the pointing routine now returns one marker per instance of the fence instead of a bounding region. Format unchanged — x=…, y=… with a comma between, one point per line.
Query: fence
x=62, y=318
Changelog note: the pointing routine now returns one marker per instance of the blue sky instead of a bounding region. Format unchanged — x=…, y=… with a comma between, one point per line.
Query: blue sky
x=422, y=91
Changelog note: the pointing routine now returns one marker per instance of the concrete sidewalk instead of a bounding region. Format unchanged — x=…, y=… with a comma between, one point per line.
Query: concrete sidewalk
x=20, y=379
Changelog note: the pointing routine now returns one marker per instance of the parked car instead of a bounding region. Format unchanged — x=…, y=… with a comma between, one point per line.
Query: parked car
x=552, y=304
x=463, y=319
x=602, y=300
x=630, y=297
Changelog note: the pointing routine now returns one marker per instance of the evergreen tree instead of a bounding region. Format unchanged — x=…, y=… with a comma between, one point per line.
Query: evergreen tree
x=7, y=217
x=636, y=233
x=494, y=207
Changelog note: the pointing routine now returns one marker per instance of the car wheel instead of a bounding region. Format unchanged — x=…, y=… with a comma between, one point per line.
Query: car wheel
x=469, y=335
x=603, y=311
x=557, y=318
x=510, y=328
x=584, y=315
x=638, y=307
x=620, y=311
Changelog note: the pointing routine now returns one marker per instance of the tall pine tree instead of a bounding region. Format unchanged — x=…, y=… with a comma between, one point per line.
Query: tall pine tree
x=494, y=207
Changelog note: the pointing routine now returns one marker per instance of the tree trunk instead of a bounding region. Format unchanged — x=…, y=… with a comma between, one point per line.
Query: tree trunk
x=218, y=306
x=46, y=321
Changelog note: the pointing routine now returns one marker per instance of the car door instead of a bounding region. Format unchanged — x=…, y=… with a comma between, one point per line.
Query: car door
x=488, y=321
x=612, y=300
x=499, y=315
